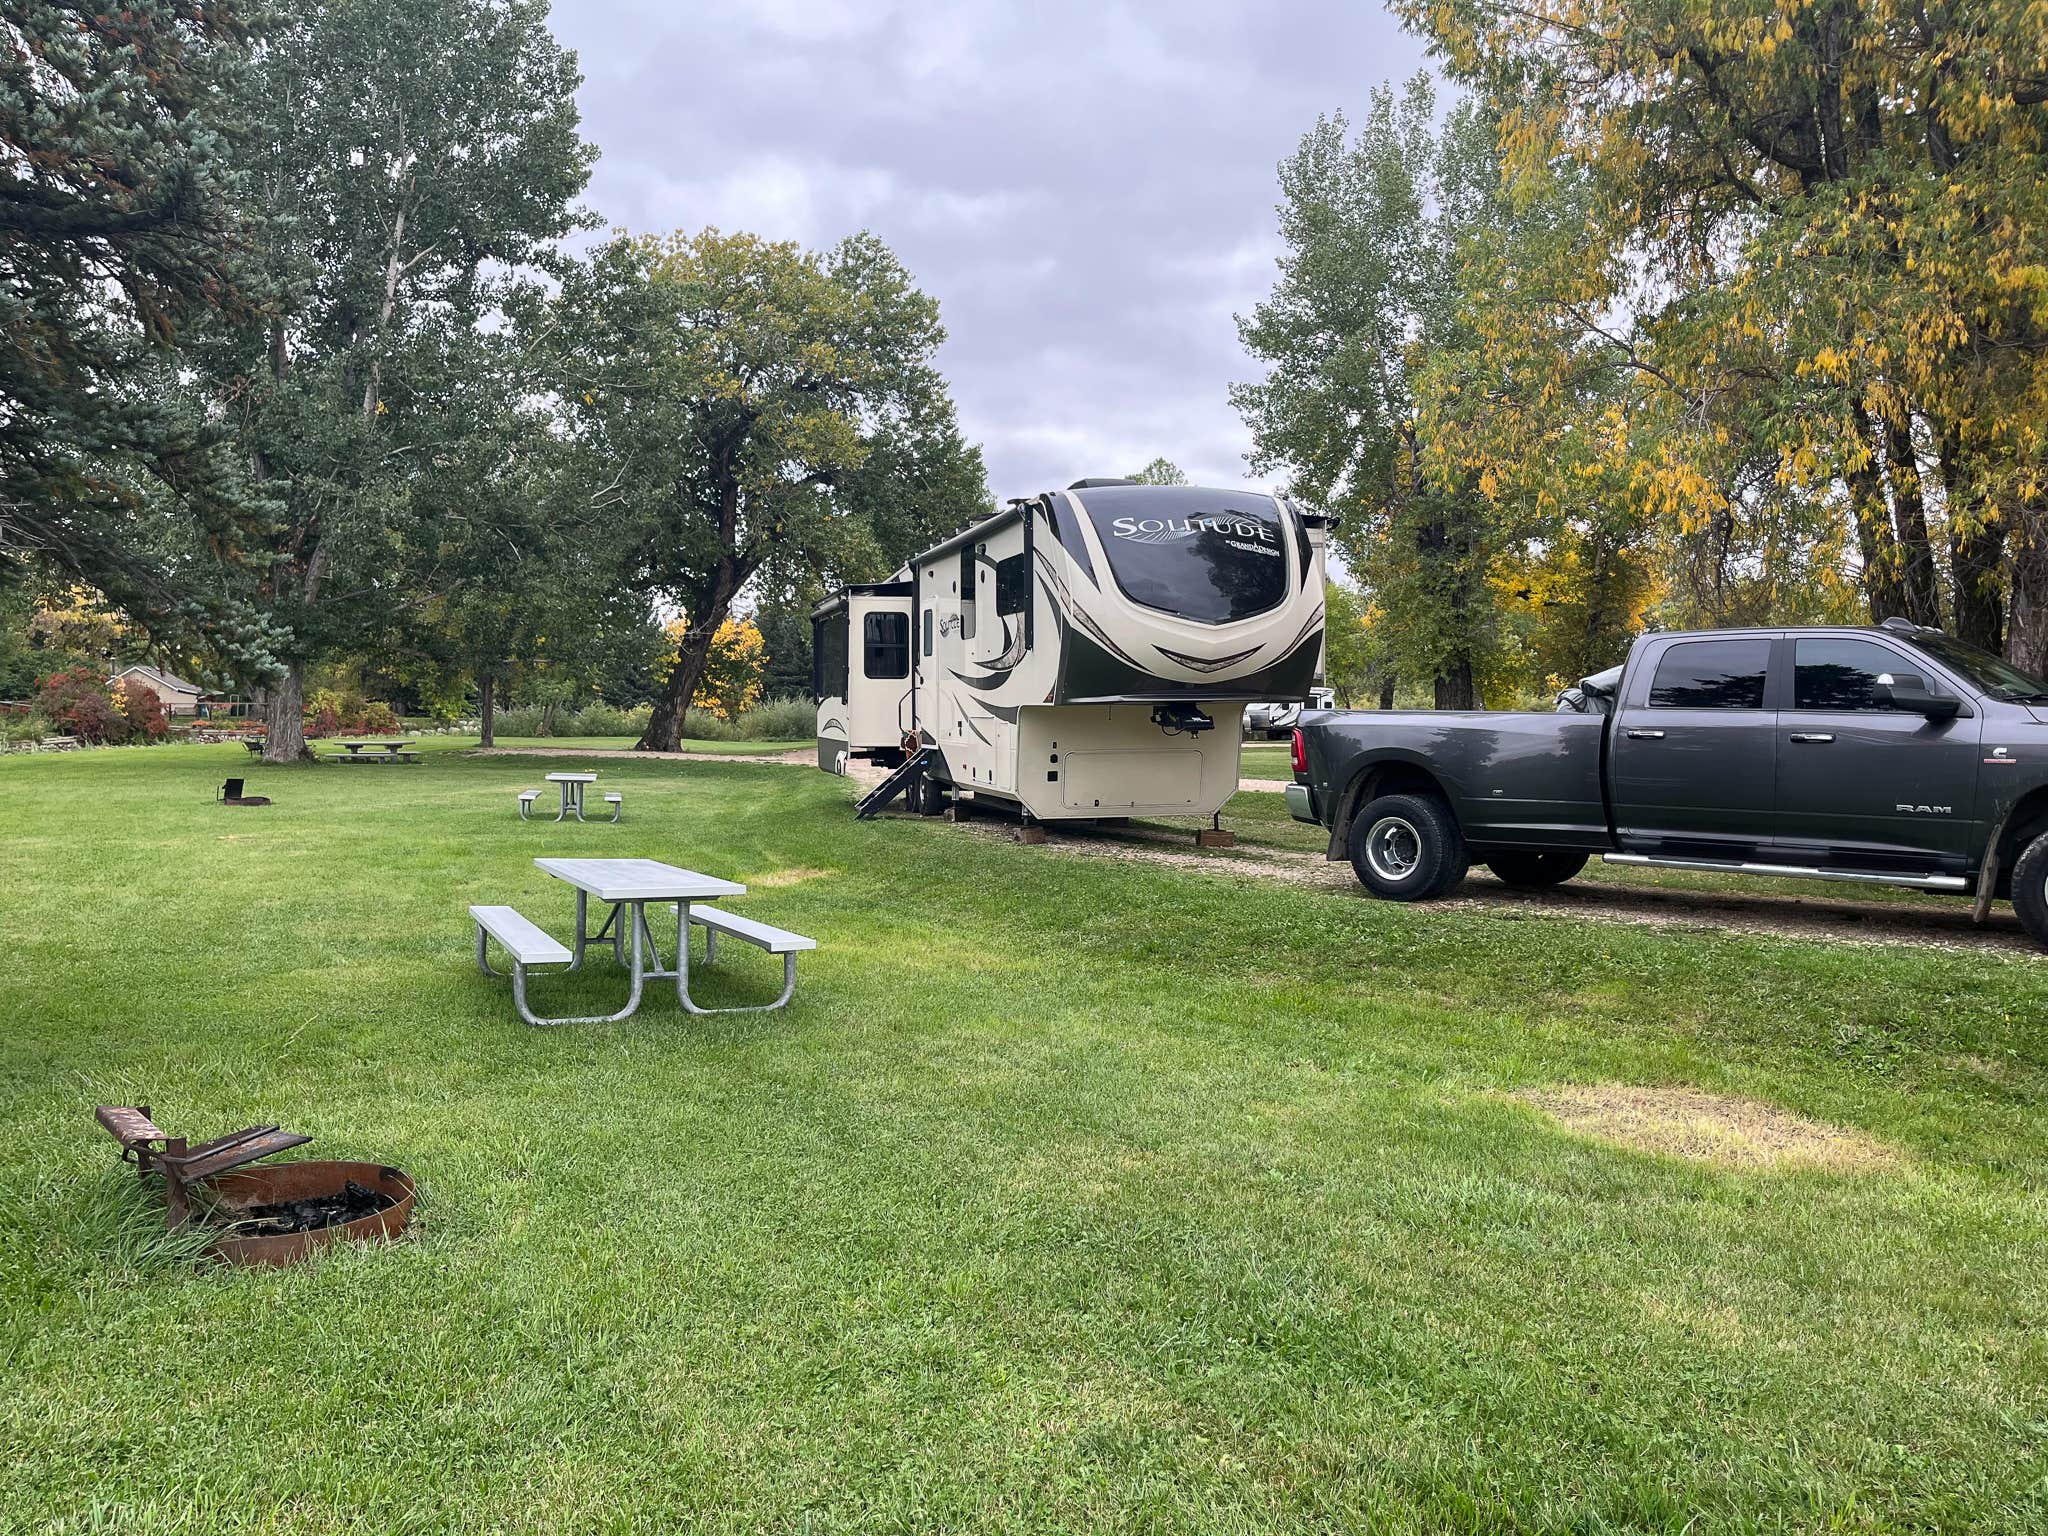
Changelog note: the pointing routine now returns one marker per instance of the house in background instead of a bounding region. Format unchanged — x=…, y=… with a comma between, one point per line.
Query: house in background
x=177, y=696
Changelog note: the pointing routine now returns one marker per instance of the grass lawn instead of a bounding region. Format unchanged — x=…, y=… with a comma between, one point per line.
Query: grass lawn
x=1071, y=1193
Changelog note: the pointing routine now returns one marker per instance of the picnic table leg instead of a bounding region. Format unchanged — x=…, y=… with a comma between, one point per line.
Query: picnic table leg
x=632, y=999
x=578, y=788
x=564, y=811
x=710, y=949
x=646, y=934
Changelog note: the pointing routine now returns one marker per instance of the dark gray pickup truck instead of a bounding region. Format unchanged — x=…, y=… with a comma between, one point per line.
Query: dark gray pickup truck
x=1892, y=755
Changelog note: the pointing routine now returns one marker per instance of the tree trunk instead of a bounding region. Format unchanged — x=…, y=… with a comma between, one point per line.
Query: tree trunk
x=664, y=731
x=1387, y=691
x=547, y=718
x=487, y=710
x=1909, y=518
x=284, y=725
x=1875, y=542
x=1454, y=686
x=1976, y=551
x=2026, y=635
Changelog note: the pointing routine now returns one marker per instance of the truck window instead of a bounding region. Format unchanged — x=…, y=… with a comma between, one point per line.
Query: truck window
x=1842, y=674
x=885, y=645
x=1711, y=674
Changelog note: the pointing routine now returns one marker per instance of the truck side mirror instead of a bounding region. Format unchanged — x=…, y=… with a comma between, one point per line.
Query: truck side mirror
x=1908, y=692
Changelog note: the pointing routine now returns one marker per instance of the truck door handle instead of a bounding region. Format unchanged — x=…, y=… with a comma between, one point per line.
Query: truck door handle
x=1812, y=738
x=1645, y=735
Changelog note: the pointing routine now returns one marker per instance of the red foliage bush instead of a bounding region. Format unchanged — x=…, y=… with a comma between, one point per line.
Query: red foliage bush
x=77, y=701
x=144, y=712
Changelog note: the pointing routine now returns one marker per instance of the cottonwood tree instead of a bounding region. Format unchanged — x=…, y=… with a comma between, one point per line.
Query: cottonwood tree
x=407, y=153
x=1368, y=289
x=119, y=228
x=1824, y=223
x=726, y=392
x=1161, y=471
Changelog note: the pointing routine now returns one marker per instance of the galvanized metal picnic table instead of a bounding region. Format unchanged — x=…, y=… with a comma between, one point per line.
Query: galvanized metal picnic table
x=627, y=886
x=572, y=792
x=378, y=750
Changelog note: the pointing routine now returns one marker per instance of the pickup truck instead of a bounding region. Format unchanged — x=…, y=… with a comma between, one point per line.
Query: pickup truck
x=1890, y=755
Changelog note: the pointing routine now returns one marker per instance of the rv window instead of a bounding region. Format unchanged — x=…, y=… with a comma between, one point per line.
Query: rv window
x=1013, y=584
x=885, y=645
x=1210, y=556
x=927, y=631
x=828, y=658
x=967, y=593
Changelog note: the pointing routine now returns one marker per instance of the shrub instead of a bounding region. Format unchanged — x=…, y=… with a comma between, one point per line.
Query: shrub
x=144, y=712
x=793, y=717
x=78, y=703
x=344, y=712
x=20, y=726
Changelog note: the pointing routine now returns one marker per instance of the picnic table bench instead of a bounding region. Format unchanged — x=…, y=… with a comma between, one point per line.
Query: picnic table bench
x=627, y=886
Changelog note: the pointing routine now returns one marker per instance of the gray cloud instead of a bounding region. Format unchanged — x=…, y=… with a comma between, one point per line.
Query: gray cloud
x=1087, y=189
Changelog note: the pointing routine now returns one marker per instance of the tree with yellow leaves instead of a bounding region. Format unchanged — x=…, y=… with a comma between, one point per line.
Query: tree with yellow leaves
x=729, y=683
x=1811, y=264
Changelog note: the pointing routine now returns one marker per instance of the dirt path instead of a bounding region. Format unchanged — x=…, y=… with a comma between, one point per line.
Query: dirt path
x=1945, y=927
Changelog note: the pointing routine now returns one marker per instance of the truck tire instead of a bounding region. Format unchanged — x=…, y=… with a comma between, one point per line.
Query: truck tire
x=2030, y=890
x=1529, y=869
x=1408, y=848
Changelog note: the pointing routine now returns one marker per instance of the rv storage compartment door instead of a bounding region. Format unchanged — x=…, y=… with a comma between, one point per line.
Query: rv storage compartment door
x=1154, y=778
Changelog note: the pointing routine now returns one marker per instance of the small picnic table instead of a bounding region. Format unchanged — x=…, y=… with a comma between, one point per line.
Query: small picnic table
x=381, y=749
x=572, y=792
x=627, y=886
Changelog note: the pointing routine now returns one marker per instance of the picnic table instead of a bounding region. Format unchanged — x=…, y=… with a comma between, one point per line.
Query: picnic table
x=627, y=886
x=571, y=785
x=379, y=749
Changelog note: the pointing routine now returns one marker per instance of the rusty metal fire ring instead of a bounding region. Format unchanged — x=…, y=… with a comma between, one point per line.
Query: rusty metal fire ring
x=275, y=1183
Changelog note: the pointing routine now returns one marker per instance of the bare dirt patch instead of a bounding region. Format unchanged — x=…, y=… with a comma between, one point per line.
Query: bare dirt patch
x=776, y=878
x=1728, y=1132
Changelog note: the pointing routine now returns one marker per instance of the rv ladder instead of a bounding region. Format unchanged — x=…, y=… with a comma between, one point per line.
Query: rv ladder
x=880, y=796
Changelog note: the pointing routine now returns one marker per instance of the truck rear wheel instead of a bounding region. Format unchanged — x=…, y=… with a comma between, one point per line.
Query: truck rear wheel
x=2030, y=890
x=1408, y=848
x=1530, y=869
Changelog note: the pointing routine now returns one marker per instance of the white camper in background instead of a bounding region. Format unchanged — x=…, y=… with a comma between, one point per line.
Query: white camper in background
x=1083, y=654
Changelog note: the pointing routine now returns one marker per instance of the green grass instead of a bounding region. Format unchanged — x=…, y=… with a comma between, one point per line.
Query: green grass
x=1071, y=1194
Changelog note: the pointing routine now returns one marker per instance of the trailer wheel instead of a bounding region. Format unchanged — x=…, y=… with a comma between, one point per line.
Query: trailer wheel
x=1533, y=870
x=1408, y=848
x=2030, y=890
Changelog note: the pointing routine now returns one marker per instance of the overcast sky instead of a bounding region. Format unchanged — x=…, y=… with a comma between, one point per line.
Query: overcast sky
x=1087, y=189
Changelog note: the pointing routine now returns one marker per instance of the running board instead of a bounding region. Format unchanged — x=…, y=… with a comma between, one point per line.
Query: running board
x=1791, y=872
x=894, y=785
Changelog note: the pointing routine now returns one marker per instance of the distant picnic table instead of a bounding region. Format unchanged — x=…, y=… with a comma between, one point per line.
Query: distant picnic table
x=379, y=749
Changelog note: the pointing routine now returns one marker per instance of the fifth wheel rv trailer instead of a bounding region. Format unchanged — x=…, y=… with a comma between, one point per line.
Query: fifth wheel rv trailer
x=1083, y=654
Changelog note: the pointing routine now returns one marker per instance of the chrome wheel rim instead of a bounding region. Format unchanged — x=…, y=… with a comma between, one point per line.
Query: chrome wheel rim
x=1393, y=848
